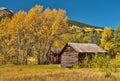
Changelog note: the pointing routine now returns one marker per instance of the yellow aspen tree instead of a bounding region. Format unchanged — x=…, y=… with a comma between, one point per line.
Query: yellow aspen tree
x=55, y=24
x=16, y=29
x=34, y=23
x=45, y=27
x=107, y=41
x=4, y=39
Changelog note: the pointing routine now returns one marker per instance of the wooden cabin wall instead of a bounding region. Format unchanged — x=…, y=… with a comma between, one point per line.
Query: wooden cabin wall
x=69, y=57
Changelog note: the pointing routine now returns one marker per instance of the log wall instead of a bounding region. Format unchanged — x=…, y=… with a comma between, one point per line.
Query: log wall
x=69, y=57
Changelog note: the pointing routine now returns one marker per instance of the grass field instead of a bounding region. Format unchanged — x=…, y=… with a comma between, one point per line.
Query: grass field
x=52, y=73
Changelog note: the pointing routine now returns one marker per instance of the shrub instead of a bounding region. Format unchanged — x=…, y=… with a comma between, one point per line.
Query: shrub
x=99, y=61
x=117, y=59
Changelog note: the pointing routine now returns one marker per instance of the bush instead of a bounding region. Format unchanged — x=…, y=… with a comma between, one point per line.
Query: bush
x=99, y=61
x=117, y=59
x=2, y=59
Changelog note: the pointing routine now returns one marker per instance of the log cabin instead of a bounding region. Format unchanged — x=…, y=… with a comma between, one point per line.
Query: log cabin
x=74, y=52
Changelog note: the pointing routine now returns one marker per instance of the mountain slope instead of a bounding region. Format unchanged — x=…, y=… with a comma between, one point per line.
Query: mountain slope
x=79, y=24
x=4, y=12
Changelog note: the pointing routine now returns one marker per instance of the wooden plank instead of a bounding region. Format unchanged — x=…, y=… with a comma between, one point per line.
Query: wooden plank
x=69, y=57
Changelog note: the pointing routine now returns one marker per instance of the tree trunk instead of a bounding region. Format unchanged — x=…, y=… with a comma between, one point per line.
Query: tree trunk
x=22, y=57
x=38, y=59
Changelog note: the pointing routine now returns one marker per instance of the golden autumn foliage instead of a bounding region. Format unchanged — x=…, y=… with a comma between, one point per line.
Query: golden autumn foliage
x=117, y=59
x=107, y=41
x=32, y=33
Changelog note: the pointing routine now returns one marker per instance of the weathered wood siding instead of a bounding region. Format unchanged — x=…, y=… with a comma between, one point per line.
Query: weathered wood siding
x=69, y=57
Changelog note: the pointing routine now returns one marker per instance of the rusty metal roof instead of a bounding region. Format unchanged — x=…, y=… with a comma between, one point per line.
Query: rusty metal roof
x=86, y=48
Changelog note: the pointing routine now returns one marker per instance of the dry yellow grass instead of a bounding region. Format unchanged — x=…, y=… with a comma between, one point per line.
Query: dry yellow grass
x=52, y=73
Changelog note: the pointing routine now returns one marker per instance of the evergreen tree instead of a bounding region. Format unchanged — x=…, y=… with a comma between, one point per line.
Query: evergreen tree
x=117, y=39
x=94, y=37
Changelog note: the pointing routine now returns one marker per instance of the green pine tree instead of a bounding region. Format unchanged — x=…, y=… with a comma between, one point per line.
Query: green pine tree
x=117, y=39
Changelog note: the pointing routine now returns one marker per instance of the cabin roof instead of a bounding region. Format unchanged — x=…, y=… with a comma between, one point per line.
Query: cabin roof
x=85, y=48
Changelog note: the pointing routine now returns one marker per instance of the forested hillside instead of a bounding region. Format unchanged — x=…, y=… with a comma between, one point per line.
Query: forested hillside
x=79, y=24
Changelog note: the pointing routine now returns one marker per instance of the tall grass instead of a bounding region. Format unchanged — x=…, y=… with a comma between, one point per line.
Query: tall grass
x=52, y=73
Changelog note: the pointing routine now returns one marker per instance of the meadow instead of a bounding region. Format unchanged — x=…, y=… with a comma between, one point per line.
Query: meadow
x=53, y=73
